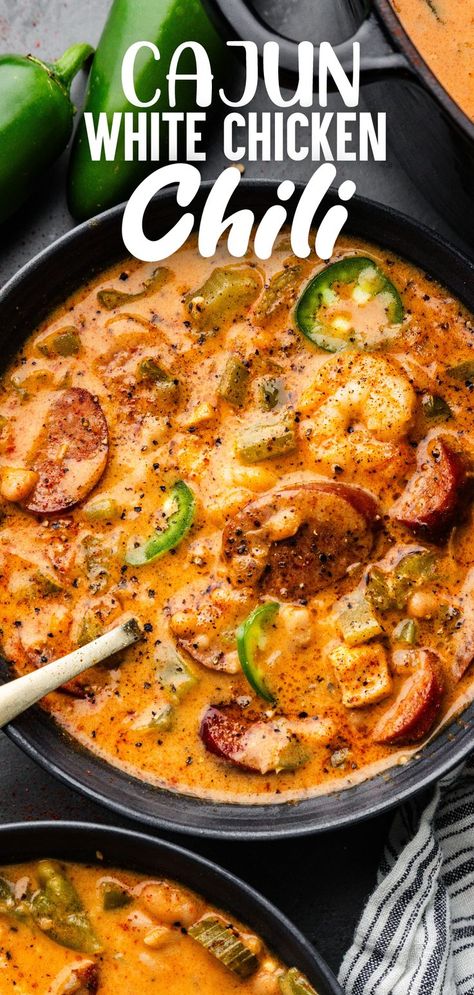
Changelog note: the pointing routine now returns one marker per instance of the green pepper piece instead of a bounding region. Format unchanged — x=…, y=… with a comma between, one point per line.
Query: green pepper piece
x=270, y=393
x=261, y=442
x=36, y=116
x=94, y=186
x=178, y=525
x=436, y=408
x=250, y=638
x=417, y=566
x=223, y=298
x=114, y=895
x=222, y=940
x=279, y=293
x=58, y=910
x=462, y=371
x=295, y=983
x=90, y=628
x=149, y=369
x=175, y=676
x=64, y=342
x=358, y=623
x=111, y=299
x=234, y=382
x=407, y=631
x=45, y=584
x=369, y=282
x=388, y=590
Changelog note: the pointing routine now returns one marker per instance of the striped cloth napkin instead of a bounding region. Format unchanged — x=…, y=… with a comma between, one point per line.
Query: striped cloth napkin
x=416, y=934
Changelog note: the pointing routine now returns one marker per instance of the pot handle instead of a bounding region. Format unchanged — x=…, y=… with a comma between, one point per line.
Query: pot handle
x=238, y=21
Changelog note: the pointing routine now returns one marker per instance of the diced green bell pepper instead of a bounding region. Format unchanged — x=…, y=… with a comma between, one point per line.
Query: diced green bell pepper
x=225, y=297
x=407, y=631
x=111, y=299
x=435, y=408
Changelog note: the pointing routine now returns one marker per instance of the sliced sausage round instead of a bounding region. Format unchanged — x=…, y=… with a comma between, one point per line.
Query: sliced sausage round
x=71, y=454
x=413, y=713
x=296, y=541
x=433, y=495
x=250, y=742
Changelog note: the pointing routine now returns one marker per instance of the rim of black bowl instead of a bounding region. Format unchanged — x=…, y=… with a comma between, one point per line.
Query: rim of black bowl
x=29, y=295
x=129, y=849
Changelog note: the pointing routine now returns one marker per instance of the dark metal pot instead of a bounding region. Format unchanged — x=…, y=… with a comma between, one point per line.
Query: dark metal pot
x=124, y=849
x=431, y=135
x=24, y=301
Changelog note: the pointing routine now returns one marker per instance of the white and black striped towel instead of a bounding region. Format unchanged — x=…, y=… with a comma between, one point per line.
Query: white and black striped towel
x=416, y=934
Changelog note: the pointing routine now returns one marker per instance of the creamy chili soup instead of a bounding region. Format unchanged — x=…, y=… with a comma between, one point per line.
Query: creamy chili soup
x=443, y=31
x=269, y=466
x=80, y=930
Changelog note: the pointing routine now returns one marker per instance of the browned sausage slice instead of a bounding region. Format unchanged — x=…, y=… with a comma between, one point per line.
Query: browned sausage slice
x=295, y=541
x=413, y=713
x=433, y=495
x=249, y=742
x=71, y=454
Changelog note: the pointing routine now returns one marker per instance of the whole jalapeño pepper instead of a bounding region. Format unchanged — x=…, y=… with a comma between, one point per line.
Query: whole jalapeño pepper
x=36, y=115
x=97, y=185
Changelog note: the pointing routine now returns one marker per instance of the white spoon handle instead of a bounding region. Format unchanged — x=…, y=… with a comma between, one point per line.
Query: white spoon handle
x=19, y=694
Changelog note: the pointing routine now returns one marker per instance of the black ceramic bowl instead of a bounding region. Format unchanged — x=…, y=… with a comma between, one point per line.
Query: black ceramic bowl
x=121, y=848
x=431, y=134
x=45, y=282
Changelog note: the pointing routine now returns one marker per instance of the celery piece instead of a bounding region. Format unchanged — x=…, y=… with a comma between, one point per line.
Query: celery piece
x=358, y=624
x=261, y=442
x=279, y=293
x=222, y=940
x=295, y=983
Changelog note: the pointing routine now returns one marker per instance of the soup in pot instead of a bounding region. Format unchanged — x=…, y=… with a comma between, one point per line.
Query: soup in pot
x=270, y=466
x=443, y=32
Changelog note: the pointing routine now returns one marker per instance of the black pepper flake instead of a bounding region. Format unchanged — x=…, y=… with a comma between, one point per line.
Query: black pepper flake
x=148, y=627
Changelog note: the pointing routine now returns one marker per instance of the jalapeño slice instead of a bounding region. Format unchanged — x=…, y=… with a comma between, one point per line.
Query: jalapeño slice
x=250, y=639
x=330, y=311
x=177, y=526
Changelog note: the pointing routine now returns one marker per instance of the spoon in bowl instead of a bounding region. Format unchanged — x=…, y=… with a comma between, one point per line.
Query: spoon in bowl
x=22, y=692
